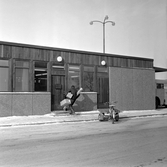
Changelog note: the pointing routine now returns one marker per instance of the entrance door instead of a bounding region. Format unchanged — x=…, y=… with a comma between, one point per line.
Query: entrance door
x=57, y=91
x=103, y=91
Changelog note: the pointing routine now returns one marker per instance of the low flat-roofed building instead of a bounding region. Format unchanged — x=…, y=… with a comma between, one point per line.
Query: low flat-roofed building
x=34, y=79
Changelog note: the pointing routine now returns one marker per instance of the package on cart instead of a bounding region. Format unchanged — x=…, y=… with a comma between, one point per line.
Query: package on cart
x=65, y=102
x=69, y=95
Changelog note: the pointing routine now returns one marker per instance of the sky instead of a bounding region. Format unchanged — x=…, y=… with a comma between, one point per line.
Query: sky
x=140, y=26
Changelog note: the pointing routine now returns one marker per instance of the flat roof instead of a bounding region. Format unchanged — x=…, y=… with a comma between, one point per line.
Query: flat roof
x=159, y=69
x=164, y=81
x=72, y=50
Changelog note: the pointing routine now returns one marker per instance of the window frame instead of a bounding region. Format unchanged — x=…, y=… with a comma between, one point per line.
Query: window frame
x=8, y=77
x=80, y=73
x=94, y=78
x=47, y=75
x=20, y=67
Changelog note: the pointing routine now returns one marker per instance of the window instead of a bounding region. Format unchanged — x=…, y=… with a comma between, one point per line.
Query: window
x=102, y=86
x=160, y=86
x=74, y=76
x=88, y=78
x=40, y=78
x=22, y=76
x=4, y=75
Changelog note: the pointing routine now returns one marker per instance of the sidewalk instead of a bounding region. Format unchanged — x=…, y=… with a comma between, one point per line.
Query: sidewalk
x=62, y=117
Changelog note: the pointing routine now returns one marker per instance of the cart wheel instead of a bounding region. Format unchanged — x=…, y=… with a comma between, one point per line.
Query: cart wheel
x=117, y=118
x=101, y=117
x=65, y=108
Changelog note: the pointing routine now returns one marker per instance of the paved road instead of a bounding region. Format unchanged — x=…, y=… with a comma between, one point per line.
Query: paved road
x=129, y=143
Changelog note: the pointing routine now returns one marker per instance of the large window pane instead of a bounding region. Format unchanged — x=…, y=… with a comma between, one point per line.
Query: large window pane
x=74, y=76
x=4, y=75
x=88, y=77
x=21, y=76
x=22, y=80
x=40, y=77
x=4, y=79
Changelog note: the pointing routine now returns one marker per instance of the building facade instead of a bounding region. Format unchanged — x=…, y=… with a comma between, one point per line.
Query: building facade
x=34, y=79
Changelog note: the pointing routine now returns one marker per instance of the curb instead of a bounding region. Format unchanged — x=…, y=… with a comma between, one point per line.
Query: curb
x=80, y=117
x=45, y=123
x=148, y=115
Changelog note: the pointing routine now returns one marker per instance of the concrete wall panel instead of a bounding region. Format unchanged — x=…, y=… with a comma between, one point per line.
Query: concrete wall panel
x=87, y=101
x=132, y=88
x=127, y=91
x=21, y=104
x=149, y=89
x=41, y=103
x=138, y=89
x=24, y=103
x=115, y=85
x=5, y=104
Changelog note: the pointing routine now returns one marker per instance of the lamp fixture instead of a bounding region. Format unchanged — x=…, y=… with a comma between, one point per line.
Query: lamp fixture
x=105, y=21
x=59, y=59
x=103, y=62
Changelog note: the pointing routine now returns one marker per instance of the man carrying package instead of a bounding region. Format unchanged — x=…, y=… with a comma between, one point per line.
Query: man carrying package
x=70, y=99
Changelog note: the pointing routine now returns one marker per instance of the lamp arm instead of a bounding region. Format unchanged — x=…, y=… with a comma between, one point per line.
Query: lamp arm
x=97, y=21
x=113, y=23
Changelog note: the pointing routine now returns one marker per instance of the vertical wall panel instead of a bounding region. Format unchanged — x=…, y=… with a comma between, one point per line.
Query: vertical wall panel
x=149, y=89
x=46, y=55
x=51, y=56
x=127, y=91
x=123, y=62
x=35, y=53
x=76, y=58
x=26, y=53
x=17, y=52
x=137, y=89
x=55, y=55
x=66, y=57
x=115, y=63
x=6, y=51
x=95, y=60
x=91, y=57
x=115, y=86
x=1, y=50
x=111, y=61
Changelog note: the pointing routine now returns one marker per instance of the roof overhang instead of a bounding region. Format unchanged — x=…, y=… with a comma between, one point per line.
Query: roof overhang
x=159, y=69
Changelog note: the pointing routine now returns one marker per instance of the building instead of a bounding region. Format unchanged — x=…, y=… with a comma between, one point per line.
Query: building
x=34, y=79
x=161, y=93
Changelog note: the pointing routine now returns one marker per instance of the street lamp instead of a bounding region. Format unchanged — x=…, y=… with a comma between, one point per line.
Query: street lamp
x=104, y=22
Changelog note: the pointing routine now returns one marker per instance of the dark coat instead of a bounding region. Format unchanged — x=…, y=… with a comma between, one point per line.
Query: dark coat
x=73, y=91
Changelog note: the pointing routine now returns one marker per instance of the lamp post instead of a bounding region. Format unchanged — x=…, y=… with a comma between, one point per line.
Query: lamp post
x=103, y=23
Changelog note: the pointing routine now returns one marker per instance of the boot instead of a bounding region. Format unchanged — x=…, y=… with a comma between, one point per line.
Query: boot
x=71, y=110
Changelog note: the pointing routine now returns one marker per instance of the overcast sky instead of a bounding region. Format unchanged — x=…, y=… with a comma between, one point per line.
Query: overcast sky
x=140, y=26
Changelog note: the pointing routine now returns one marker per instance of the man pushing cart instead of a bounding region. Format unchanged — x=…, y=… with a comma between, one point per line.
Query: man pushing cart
x=70, y=99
